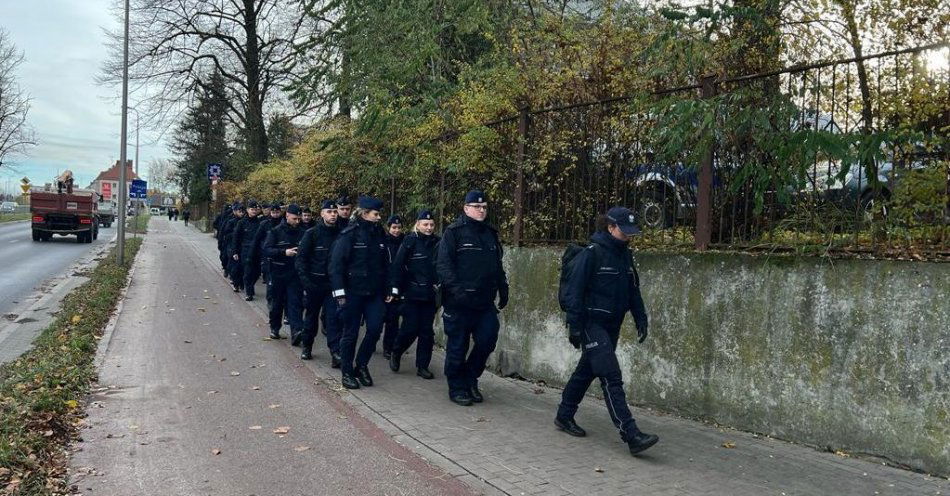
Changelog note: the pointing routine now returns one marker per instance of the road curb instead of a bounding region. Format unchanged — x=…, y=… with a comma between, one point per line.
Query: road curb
x=109, y=330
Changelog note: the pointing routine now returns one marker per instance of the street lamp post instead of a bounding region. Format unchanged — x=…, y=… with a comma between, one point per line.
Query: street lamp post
x=123, y=187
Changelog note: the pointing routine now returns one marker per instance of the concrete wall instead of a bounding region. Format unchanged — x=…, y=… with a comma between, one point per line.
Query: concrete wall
x=848, y=354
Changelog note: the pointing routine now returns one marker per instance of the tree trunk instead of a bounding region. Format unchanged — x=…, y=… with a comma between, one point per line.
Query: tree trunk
x=256, y=130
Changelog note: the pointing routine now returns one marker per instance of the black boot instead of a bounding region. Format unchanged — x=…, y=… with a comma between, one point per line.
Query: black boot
x=477, y=395
x=362, y=374
x=394, y=361
x=639, y=441
x=295, y=337
x=349, y=382
x=462, y=399
x=570, y=427
x=424, y=373
x=335, y=360
x=248, y=298
x=274, y=334
x=306, y=353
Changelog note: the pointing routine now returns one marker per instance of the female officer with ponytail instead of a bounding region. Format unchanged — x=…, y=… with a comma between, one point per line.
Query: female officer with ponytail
x=412, y=277
x=358, y=268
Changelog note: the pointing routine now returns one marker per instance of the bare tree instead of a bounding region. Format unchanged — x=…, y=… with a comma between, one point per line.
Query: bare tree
x=175, y=46
x=15, y=134
x=161, y=175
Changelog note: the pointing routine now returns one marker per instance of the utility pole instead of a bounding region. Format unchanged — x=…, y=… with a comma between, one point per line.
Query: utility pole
x=123, y=187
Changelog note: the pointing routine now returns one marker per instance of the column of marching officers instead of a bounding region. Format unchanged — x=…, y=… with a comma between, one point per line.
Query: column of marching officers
x=340, y=269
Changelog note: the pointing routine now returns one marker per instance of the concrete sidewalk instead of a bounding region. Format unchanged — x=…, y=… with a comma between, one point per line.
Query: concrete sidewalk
x=505, y=446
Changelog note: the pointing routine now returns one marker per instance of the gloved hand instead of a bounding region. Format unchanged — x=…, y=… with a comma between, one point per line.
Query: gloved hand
x=341, y=301
x=503, y=298
x=574, y=335
x=642, y=332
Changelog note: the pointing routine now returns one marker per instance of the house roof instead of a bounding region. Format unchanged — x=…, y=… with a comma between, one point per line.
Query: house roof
x=112, y=173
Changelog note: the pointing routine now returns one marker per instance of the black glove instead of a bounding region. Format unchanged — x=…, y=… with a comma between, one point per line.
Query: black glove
x=574, y=335
x=341, y=301
x=642, y=332
x=503, y=298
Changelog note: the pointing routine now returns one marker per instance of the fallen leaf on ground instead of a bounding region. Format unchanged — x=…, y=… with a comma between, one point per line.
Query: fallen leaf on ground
x=72, y=404
x=212, y=392
x=274, y=406
x=538, y=390
x=729, y=445
x=76, y=319
x=282, y=430
x=216, y=451
x=256, y=388
x=255, y=427
x=298, y=449
x=842, y=454
x=599, y=470
x=482, y=419
x=201, y=309
x=188, y=342
x=235, y=373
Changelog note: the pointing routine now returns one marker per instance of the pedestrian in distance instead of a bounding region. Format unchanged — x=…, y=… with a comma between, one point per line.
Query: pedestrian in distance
x=175, y=214
x=244, y=252
x=229, y=227
x=394, y=237
x=600, y=285
x=186, y=215
x=284, y=291
x=344, y=208
x=469, y=266
x=313, y=262
x=412, y=278
x=358, y=270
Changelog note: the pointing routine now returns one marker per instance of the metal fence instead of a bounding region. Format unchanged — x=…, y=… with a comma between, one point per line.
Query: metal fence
x=843, y=157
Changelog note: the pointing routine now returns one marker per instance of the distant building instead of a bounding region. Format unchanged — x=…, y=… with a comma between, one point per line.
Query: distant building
x=107, y=182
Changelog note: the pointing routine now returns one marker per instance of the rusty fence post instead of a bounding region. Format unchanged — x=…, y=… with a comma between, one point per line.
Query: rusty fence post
x=703, y=234
x=523, y=116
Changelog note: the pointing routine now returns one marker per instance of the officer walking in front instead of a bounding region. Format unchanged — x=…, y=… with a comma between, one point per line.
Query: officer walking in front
x=394, y=237
x=358, y=269
x=601, y=288
x=284, y=292
x=470, y=269
x=219, y=223
x=412, y=277
x=344, y=208
x=244, y=250
x=313, y=262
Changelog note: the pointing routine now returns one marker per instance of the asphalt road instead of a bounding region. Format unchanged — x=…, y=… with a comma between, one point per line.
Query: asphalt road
x=26, y=264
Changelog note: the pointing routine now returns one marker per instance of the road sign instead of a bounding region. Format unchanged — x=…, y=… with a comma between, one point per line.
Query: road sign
x=214, y=172
x=138, y=189
x=26, y=187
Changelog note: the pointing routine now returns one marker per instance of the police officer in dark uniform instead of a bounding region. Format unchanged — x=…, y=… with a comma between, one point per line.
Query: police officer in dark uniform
x=412, y=277
x=219, y=222
x=284, y=292
x=600, y=290
x=234, y=266
x=344, y=208
x=358, y=269
x=394, y=237
x=469, y=266
x=244, y=250
x=313, y=262
x=273, y=220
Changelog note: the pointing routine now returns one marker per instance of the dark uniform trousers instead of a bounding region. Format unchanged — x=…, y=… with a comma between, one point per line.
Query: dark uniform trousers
x=357, y=308
x=464, y=325
x=252, y=271
x=285, y=295
x=391, y=328
x=223, y=252
x=236, y=271
x=417, y=317
x=320, y=306
x=599, y=360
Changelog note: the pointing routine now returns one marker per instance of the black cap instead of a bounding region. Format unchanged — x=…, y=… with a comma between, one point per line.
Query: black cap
x=370, y=203
x=237, y=206
x=475, y=196
x=328, y=205
x=305, y=209
x=393, y=219
x=293, y=208
x=252, y=204
x=424, y=215
x=625, y=220
x=343, y=200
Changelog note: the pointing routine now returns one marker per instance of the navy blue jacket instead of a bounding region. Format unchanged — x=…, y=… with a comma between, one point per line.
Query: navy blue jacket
x=392, y=245
x=265, y=226
x=242, y=240
x=359, y=262
x=604, y=284
x=280, y=239
x=412, y=273
x=313, y=259
x=469, y=265
x=228, y=230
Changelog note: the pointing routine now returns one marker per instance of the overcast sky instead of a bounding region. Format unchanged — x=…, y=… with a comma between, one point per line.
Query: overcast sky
x=77, y=123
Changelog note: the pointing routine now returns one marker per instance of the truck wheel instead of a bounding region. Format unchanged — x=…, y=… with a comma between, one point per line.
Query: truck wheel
x=36, y=235
x=656, y=209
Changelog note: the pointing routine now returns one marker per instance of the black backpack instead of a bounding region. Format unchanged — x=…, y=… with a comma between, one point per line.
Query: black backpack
x=568, y=263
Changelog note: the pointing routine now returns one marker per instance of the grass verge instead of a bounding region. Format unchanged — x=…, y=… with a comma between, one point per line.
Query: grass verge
x=14, y=217
x=137, y=224
x=41, y=393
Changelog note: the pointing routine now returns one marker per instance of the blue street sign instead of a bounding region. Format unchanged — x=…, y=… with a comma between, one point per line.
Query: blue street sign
x=138, y=189
x=214, y=171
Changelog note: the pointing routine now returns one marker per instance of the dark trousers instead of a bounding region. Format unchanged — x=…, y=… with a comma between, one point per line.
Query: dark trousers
x=320, y=306
x=236, y=272
x=391, y=328
x=599, y=360
x=252, y=271
x=358, y=307
x=417, y=317
x=285, y=295
x=223, y=255
x=462, y=327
